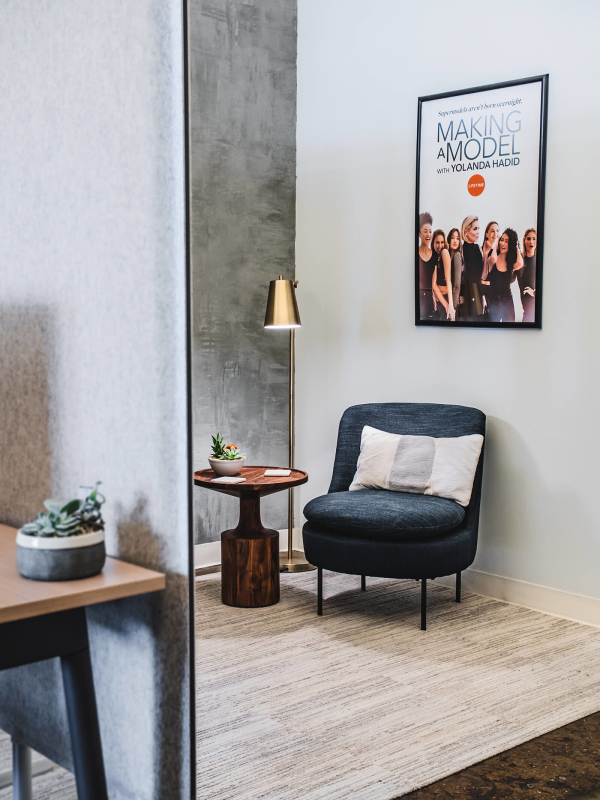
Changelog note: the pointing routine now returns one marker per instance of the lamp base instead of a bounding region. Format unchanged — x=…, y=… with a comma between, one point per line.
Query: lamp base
x=297, y=564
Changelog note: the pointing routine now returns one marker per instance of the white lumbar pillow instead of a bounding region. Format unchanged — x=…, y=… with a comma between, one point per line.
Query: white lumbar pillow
x=418, y=464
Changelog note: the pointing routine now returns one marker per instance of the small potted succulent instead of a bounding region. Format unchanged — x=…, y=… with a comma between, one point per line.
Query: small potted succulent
x=65, y=542
x=225, y=460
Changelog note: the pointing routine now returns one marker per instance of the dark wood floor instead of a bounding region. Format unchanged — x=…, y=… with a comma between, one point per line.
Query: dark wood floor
x=564, y=763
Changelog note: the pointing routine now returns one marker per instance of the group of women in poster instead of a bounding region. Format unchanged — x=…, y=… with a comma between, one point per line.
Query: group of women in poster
x=461, y=280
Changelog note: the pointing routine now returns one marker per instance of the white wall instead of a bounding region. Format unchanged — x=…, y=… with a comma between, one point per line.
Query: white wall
x=361, y=68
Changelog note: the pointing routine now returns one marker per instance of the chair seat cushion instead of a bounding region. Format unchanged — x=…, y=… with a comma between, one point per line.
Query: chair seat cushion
x=380, y=514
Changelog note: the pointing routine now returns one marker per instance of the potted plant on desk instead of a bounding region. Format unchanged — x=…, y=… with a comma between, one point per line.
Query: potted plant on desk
x=225, y=460
x=65, y=542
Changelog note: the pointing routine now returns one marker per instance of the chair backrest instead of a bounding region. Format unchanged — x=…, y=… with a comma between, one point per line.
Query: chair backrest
x=416, y=419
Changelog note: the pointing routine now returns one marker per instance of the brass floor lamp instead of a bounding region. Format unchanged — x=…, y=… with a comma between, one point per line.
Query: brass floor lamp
x=282, y=312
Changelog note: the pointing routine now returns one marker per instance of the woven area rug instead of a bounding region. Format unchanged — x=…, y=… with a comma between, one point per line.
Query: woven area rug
x=360, y=704
x=58, y=784
x=5, y=752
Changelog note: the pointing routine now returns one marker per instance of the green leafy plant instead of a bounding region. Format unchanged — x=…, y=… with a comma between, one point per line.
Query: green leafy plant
x=228, y=452
x=70, y=518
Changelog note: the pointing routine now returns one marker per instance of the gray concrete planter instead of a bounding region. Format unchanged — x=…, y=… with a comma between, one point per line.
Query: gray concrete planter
x=56, y=558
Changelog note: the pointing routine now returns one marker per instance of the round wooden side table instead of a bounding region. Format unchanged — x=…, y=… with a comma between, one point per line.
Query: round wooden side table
x=250, y=552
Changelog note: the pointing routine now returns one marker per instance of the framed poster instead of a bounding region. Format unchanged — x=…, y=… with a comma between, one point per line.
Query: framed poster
x=481, y=157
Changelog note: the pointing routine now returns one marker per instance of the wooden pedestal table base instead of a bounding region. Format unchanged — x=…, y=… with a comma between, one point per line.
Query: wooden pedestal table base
x=250, y=552
x=250, y=560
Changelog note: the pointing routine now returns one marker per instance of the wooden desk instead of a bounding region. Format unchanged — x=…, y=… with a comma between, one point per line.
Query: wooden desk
x=41, y=620
x=21, y=598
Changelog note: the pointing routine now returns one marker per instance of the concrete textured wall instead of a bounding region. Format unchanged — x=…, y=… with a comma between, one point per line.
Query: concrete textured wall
x=92, y=351
x=361, y=68
x=243, y=115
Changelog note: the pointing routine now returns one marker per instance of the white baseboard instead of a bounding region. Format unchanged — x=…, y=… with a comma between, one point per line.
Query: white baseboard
x=557, y=603
x=209, y=554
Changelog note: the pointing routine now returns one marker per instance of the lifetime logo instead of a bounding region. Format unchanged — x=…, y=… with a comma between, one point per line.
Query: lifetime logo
x=476, y=185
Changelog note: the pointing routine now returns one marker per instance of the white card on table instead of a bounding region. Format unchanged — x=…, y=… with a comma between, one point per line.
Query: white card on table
x=277, y=473
x=227, y=479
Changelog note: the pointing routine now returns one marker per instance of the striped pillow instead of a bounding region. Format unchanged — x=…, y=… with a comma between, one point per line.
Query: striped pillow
x=418, y=464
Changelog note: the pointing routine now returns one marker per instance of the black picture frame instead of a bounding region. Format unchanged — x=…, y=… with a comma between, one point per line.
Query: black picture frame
x=537, y=323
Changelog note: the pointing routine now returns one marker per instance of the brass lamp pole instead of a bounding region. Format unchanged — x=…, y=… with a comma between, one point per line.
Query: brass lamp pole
x=282, y=312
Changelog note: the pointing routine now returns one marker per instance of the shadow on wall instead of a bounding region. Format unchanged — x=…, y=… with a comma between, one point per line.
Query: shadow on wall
x=509, y=507
x=508, y=472
x=26, y=347
x=136, y=542
x=520, y=502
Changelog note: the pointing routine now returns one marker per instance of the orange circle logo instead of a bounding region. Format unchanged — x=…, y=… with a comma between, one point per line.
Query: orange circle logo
x=476, y=185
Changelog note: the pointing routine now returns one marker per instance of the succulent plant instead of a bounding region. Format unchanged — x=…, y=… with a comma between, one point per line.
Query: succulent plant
x=90, y=512
x=69, y=518
x=228, y=452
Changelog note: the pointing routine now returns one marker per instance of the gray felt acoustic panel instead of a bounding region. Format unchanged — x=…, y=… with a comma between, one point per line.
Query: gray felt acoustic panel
x=93, y=351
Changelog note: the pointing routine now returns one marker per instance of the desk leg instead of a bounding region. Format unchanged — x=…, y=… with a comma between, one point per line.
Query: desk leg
x=83, y=725
x=21, y=771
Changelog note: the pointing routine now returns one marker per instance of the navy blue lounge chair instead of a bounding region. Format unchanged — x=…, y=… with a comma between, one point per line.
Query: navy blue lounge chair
x=393, y=534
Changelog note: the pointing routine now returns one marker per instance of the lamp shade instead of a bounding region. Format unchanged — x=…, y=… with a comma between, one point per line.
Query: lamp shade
x=282, y=309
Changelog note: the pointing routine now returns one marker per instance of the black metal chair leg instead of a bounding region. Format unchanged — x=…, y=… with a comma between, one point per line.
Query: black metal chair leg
x=320, y=591
x=423, y=604
x=458, y=574
x=363, y=583
x=22, y=786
